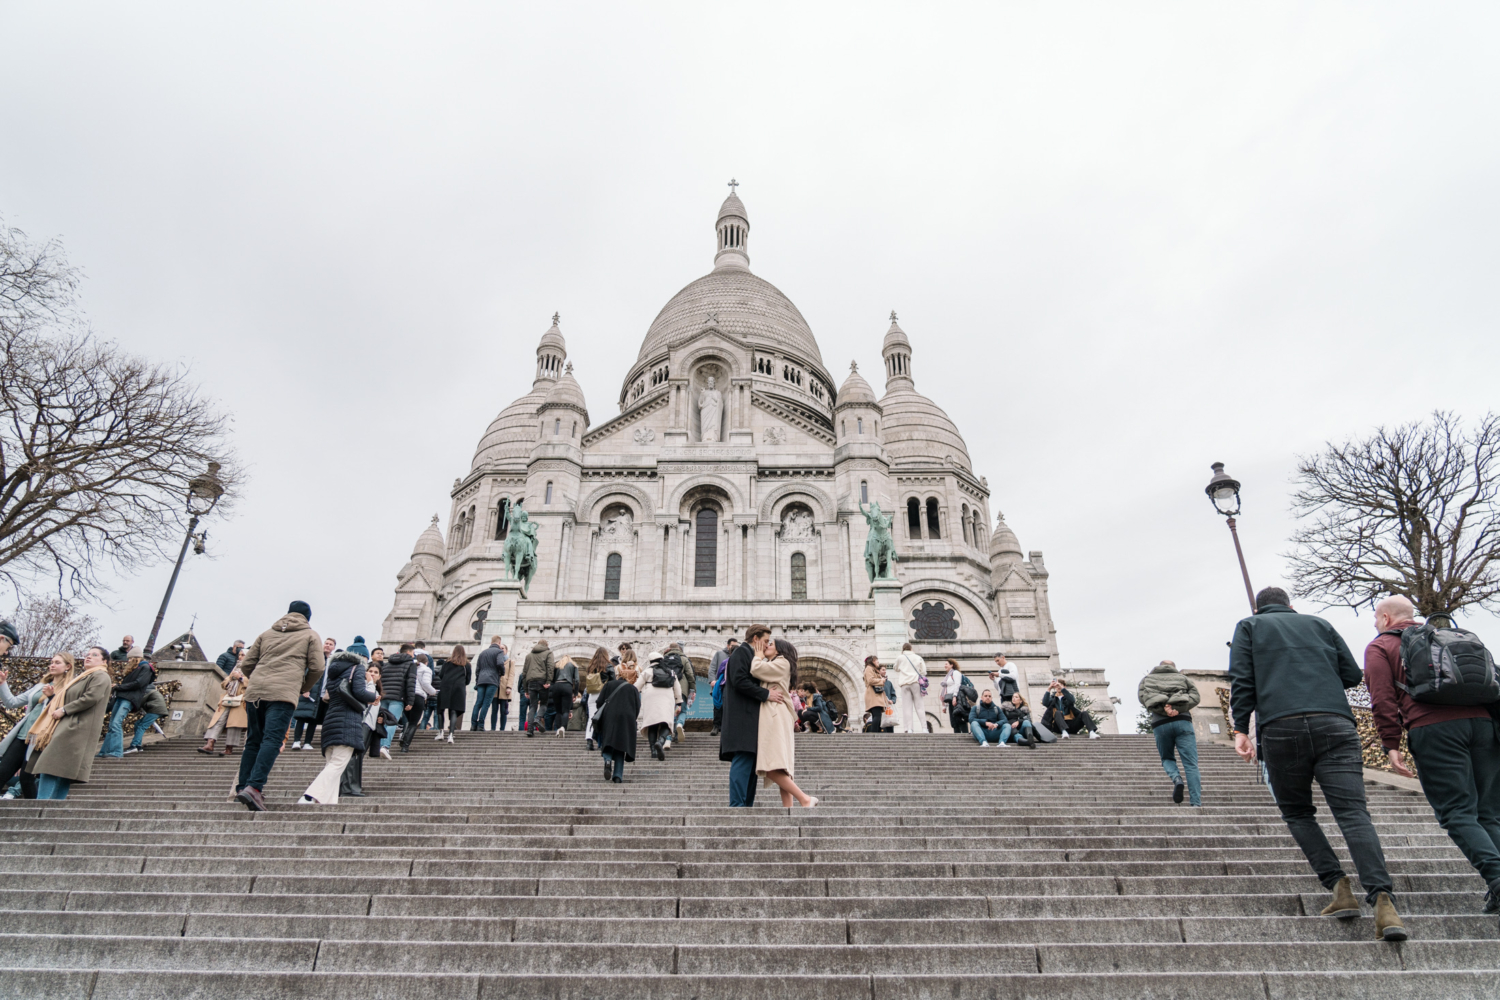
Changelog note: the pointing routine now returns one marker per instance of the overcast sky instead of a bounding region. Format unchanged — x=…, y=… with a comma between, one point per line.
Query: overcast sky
x=1126, y=240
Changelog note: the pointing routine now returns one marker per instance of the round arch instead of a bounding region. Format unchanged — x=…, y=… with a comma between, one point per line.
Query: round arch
x=590, y=507
x=702, y=484
x=822, y=504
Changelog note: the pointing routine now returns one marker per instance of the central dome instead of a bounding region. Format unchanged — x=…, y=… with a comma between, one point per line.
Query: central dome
x=742, y=306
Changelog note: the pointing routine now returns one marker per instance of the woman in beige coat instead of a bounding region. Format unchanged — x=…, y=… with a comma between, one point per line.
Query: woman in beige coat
x=230, y=720
x=775, y=666
x=658, y=706
x=66, y=737
x=876, y=703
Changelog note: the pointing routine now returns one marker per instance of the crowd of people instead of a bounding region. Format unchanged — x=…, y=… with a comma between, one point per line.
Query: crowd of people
x=1289, y=711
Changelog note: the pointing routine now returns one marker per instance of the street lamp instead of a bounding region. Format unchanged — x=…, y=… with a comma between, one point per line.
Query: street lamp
x=1224, y=493
x=203, y=492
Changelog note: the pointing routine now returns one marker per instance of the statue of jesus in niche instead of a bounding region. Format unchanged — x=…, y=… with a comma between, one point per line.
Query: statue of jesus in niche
x=710, y=405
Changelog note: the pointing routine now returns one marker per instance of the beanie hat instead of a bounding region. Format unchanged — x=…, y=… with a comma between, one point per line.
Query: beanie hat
x=300, y=608
x=9, y=631
x=359, y=638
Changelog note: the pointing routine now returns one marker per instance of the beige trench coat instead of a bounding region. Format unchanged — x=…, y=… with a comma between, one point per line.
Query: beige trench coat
x=657, y=704
x=875, y=697
x=70, y=754
x=778, y=751
x=237, y=717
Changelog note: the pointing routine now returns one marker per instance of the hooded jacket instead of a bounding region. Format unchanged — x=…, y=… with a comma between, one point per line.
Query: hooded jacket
x=343, y=725
x=539, y=667
x=284, y=661
x=1165, y=685
x=134, y=686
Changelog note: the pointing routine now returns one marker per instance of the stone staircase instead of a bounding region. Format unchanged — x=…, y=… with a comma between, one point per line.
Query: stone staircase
x=506, y=867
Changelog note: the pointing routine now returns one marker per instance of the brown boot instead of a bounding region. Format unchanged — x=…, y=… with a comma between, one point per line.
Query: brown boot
x=1388, y=925
x=1344, y=905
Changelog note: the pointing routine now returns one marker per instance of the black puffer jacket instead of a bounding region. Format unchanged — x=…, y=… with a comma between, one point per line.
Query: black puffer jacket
x=136, y=683
x=343, y=725
x=1016, y=714
x=398, y=678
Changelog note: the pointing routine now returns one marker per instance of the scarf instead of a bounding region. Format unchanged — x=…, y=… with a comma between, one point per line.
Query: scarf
x=43, y=728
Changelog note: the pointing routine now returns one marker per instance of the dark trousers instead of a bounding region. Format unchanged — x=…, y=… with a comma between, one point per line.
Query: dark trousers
x=810, y=716
x=1458, y=763
x=413, y=720
x=352, y=781
x=875, y=716
x=536, y=698
x=562, y=707
x=431, y=714
x=522, y=706
x=742, y=779
x=1325, y=748
x=482, y=696
x=718, y=716
x=268, y=722
x=499, y=710
x=616, y=757
x=14, y=760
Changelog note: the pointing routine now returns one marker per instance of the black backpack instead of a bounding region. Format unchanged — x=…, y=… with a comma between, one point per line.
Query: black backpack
x=662, y=677
x=1446, y=666
x=673, y=662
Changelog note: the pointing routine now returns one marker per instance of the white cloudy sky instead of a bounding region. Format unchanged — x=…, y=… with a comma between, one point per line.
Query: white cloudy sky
x=1126, y=240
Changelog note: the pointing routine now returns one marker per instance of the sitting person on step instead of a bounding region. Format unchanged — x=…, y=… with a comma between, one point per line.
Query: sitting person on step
x=987, y=721
x=1072, y=719
x=1018, y=727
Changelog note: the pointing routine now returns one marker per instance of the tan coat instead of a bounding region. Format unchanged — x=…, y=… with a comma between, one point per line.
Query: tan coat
x=284, y=662
x=237, y=717
x=70, y=754
x=875, y=690
x=507, y=679
x=777, y=751
x=657, y=704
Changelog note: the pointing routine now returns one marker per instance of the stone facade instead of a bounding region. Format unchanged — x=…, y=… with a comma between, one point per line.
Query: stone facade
x=728, y=490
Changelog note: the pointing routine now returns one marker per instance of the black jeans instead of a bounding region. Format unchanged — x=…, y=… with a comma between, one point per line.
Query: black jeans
x=873, y=726
x=1458, y=763
x=1325, y=748
x=413, y=720
x=268, y=722
x=13, y=761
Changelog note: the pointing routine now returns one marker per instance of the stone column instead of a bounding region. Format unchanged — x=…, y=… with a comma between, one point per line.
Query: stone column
x=505, y=606
x=890, y=622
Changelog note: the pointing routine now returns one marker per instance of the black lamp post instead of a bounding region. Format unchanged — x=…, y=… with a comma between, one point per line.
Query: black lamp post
x=203, y=492
x=1224, y=493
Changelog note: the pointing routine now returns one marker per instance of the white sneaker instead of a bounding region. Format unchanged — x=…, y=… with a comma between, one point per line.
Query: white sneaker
x=450, y=737
x=296, y=744
x=438, y=737
x=1063, y=735
x=8, y=795
x=1093, y=735
x=307, y=800
x=384, y=752
x=1002, y=745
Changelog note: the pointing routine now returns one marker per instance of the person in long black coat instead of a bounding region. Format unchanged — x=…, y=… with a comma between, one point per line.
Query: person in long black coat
x=343, y=730
x=616, y=727
x=739, y=736
x=454, y=675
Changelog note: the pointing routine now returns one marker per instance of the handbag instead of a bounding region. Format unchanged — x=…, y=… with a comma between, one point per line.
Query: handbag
x=232, y=700
x=345, y=690
x=599, y=709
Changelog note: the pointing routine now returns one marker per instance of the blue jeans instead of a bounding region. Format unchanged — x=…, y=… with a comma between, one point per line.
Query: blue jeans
x=431, y=712
x=142, y=728
x=1325, y=748
x=1023, y=733
x=51, y=787
x=397, y=710
x=267, y=723
x=1178, y=735
x=983, y=735
x=114, y=740
x=521, y=711
x=618, y=758
x=742, y=779
x=482, y=695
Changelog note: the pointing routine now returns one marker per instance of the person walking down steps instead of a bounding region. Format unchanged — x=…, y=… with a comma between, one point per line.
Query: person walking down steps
x=1290, y=671
x=1170, y=698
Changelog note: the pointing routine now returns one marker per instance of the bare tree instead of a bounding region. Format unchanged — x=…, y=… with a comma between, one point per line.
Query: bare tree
x=1409, y=511
x=49, y=624
x=97, y=447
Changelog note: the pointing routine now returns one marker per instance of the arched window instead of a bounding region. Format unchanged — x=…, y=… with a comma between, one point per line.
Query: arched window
x=557, y=427
x=859, y=423
x=843, y=428
x=932, y=518
x=612, y=577
x=864, y=491
x=549, y=493
x=799, y=576
x=502, y=523
x=913, y=518
x=963, y=519
x=469, y=526
x=574, y=431
x=706, y=554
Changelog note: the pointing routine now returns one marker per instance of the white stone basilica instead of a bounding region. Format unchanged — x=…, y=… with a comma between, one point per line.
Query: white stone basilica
x=728, y=491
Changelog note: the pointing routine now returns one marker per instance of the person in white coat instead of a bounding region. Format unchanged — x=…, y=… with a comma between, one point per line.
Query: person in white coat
x=907, y=672
x=658, y=704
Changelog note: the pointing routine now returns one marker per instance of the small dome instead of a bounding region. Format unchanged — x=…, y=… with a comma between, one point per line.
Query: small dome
x=512, y=433
x=553, y=338
x=429, y=542
x=895, y=336
x=916, y=431
x=856, y=391
x=733, y=207
x=1003, y=541
x=566, y=392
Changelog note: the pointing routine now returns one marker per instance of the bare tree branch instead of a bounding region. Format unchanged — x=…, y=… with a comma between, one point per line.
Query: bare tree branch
x=97, y=447
x=1409, y=511
x=48, y=625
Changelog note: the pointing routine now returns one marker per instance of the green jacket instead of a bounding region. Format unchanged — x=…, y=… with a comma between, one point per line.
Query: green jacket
x=539, y=668
x=1165, y=685
x=1282, y=663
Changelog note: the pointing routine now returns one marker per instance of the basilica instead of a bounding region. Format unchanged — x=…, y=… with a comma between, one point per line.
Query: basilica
x=734, y=486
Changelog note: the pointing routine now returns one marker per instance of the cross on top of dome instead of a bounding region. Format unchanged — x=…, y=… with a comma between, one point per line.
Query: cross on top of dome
x=732, y=185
